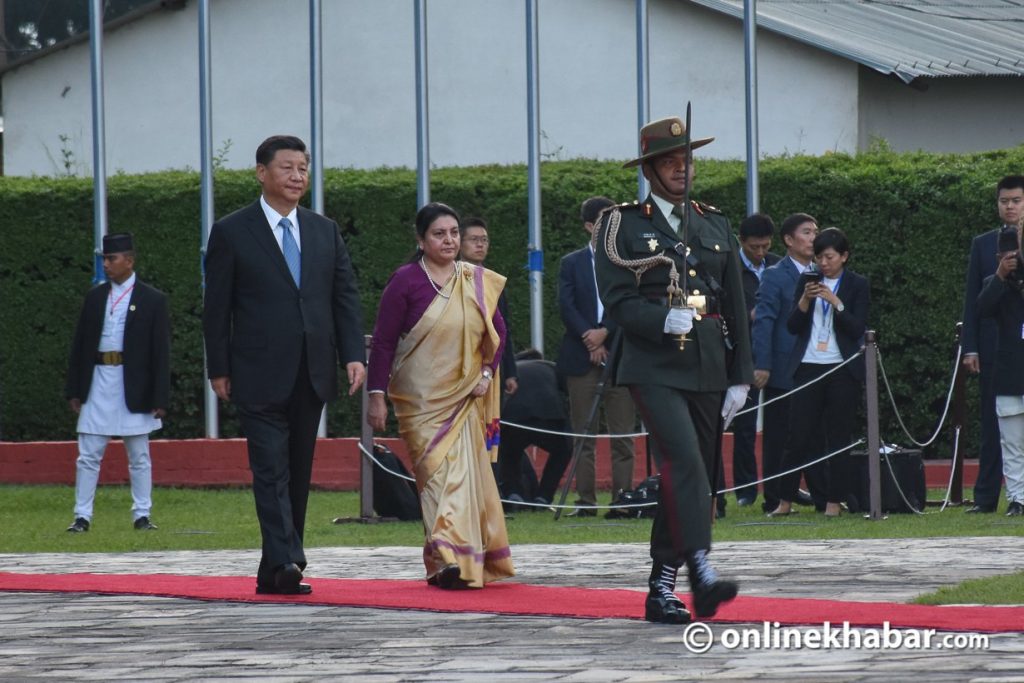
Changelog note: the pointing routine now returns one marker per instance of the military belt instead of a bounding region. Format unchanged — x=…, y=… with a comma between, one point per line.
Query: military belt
x=109, y=358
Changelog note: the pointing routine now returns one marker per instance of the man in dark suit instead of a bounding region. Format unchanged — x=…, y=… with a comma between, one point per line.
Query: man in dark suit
x=538, y=404
x=773, y=344
x=581, y=359
x=476, y=244
x=281, y=311
x=978, y=343
x=670, y=276
x=119, y=378
x=756, y=232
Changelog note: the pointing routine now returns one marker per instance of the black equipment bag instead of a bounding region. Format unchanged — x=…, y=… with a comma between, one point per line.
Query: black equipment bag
x=909, y=470
x=646, y=492
x=392, y=495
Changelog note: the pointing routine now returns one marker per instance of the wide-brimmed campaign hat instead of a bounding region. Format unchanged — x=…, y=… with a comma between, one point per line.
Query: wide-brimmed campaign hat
x=661, y=136
x=118, y=243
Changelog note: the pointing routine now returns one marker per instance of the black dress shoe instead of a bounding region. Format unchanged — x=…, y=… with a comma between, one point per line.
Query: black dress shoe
x=745, y=502
x=301, y=589
x=79, y=526
x=981, y=509
x=583, y=512
x=287, y=579
x=664, y=609
x=143, y=524
x=804, y=498
x=448, y=578
x=708, y=596
x=1015, y=509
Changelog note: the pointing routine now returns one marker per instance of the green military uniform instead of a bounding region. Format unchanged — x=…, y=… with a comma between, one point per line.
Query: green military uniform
x=678, y=391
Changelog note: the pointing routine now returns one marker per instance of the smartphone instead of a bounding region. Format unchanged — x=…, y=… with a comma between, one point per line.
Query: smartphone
x=1007, y=240
x=807, y=276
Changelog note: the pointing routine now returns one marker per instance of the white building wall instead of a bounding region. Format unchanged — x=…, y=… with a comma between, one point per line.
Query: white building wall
x=951, y=115
x=477, y=61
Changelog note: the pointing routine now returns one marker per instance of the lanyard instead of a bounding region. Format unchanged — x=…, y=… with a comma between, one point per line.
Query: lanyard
x=115, y=302
x=825, y=306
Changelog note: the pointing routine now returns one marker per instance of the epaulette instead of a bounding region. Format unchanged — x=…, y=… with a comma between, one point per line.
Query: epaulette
x=645, y=208
x=703, y=208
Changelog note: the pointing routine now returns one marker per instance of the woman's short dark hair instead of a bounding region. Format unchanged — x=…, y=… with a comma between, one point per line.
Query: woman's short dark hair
x=425, y=218
x=831, y=237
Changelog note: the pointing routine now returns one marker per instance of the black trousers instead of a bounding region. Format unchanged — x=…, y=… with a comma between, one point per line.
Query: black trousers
x=830, y=403
x=774, y=434
x=683, y=426
x=281, y=438
x=510, y=456
x=744, y=437
x=990, y=457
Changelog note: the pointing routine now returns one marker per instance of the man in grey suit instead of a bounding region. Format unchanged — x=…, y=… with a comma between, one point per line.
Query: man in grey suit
x=772, y=344
x=281, y=311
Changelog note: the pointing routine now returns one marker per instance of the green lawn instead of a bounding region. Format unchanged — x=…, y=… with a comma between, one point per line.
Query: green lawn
x=35, y=518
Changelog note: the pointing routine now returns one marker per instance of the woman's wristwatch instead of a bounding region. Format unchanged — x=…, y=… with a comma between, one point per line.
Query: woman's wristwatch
x=488, y=375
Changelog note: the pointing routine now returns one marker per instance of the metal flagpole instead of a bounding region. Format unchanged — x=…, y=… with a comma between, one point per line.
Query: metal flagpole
x=643, y=86
x=206, y=186
x=99, y=141
x=316, y=128
x=422, y=108
x=534, y=248
x=750, y=62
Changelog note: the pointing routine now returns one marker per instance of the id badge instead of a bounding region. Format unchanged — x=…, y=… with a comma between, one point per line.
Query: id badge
x=823, y=340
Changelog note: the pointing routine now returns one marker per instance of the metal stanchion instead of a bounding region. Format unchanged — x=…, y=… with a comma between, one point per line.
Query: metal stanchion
x=873, y=455
x=956, y=493
x=366, y=513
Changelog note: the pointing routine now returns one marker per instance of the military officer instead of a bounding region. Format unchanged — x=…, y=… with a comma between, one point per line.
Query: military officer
x=670, y=276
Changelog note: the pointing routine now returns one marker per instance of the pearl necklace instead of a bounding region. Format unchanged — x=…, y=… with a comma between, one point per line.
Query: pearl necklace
x=439, y=290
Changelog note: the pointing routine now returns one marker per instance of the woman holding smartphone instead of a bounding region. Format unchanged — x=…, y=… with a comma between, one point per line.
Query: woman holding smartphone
x=829, y=316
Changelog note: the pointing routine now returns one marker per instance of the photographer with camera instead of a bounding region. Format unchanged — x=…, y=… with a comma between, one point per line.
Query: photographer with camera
x=829, y=317
x=1002, y=298
x=978, y=342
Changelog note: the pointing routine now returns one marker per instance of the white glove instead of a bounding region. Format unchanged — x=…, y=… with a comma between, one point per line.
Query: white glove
x=679, y=321
x=735, y=399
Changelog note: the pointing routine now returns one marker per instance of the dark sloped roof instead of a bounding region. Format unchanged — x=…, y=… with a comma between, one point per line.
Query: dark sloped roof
x=905, y=38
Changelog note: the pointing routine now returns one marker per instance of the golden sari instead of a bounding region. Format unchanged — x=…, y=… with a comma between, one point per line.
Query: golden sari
x=451, y=436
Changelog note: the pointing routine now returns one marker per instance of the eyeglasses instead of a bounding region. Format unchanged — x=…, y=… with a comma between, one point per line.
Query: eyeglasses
x=478, y=240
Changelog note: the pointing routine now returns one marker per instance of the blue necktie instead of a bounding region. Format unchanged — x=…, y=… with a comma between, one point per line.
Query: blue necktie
x=291, y=250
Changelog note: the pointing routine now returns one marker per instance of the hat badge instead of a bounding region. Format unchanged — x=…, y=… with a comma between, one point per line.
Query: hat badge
x=676, y=129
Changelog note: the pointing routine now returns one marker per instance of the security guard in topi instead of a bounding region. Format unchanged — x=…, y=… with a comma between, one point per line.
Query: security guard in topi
x=669, y=274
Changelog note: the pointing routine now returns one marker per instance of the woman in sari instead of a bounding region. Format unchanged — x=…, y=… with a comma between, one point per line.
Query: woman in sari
x=435, y=352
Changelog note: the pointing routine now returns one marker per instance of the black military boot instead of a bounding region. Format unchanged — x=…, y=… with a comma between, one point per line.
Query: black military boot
x=709, y=591
x=663, y=606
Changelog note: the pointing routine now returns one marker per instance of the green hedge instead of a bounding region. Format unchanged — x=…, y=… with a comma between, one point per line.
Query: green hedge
x=910, y=218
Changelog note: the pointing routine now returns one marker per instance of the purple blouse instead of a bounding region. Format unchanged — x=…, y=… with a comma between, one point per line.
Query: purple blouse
x=406, y=298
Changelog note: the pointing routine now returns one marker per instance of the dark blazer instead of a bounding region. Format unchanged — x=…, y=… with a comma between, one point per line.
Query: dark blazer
x=979, y=334
x=849, y=325
x=255, y=320
x=1004, y=305
x=146, y=348
x=577, y=304
x=771, y=339
x=750, y=281
x=539, y=396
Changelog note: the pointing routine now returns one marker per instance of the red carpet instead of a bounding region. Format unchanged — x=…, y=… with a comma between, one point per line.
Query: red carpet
x=518, y=598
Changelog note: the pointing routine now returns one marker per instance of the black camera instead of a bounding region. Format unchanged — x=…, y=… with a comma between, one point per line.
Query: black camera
x=1009, y=241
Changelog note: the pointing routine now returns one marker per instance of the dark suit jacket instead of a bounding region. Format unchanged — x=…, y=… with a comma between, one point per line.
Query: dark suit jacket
x=771, y=339
x=577, y=304
x=849, y=325
x=539, y=396
x=751, y=283
x=979, y=335
x=256, y=321
x=146, y=348
x=1003, y=304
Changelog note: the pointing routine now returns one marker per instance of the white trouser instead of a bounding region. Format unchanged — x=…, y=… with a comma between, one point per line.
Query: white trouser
x=90, y=454
x=1011, y=436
